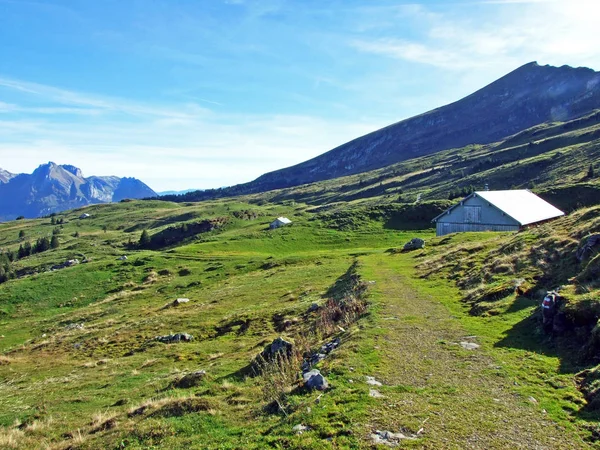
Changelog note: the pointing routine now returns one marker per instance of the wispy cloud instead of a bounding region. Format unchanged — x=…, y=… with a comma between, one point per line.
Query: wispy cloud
x=164, y=147
x=517, y=31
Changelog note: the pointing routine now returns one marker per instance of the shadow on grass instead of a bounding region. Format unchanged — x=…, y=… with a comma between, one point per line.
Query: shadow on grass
x=529, y=335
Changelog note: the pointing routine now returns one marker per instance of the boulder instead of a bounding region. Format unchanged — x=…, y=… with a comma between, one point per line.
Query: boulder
x=278, y=346
x=314, y=380
x=179, y=301
x=313, y=307
x=190, y=379
x=172, y=338
x=372, y=381
x=414, y=244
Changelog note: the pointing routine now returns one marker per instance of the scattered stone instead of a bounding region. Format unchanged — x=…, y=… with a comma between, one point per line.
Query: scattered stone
x=315, y=358
x=179, y=301
x=372, y=381
x=314, y=380
x=389, y=438
x=177, y=337
x=278, y=346
x=122, y=258
x=312, y=360
x=588, y=248
x=330, y=346
x=190, y=379
x=375, y=393
x=413, y=244
x=313, y=307
x=469, y=345
x=299, y=429
x=68, y=263
x=74, y=326
x=532, y=400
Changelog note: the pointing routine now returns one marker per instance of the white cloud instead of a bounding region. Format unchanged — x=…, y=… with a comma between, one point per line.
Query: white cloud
x=510, y=32
x=162, y=146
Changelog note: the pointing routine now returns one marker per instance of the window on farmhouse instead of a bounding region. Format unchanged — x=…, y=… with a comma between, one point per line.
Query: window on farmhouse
x=473, y=214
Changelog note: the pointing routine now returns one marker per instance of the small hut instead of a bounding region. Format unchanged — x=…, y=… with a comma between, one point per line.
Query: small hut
x=280, y=222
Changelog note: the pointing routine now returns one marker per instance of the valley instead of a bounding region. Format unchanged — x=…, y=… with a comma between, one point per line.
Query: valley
x=81, y=368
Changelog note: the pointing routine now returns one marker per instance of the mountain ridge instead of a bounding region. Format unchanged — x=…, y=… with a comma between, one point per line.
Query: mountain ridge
x=52, y=188
x=530, y=95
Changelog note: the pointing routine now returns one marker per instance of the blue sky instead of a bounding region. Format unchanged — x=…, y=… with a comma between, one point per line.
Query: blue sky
x=208, y=93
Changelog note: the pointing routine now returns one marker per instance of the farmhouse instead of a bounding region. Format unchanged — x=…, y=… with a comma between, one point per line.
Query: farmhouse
x=495, y=211
x=280, y=222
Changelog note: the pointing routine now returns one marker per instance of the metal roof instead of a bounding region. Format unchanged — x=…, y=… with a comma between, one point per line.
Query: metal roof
x=284, y=220
x=520, y=204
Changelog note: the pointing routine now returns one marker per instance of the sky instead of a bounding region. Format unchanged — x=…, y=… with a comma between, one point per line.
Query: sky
x=209, y=93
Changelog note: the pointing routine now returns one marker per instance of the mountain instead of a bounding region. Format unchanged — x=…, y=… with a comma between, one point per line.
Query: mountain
x=528, y=96
x=185, y=191
x=5, y=176
x=52, y=188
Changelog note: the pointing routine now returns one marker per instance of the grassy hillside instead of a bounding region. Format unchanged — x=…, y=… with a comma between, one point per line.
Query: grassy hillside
x=552, y=159
x=80, y=366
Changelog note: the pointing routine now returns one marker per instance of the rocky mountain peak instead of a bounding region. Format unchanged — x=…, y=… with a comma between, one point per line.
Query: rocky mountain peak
x=53, y=188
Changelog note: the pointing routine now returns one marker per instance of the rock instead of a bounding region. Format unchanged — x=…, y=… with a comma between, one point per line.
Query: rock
x=122, y=258
x=413, y=244
x=313, y=307
x=375, y=393
x=588, y=248
x=171, y=338
x=469, y=345
x=389, y=438
x=532, y=400
x=299, y=429
x=190, y=379
x=372, y=381
x=314, y=380
x=330, y=346
x=278, y=346
x=74, y=326
x=68, y=263
x=179, y=301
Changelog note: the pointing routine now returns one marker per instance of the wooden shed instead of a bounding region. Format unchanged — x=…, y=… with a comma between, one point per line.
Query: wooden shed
x=495, y=211
x=280, y=222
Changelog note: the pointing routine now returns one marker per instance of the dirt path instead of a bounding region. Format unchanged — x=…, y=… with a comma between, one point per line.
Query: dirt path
x=461, y=398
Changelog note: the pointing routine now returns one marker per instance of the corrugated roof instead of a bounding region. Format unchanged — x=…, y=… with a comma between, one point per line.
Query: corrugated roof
x=522, y=205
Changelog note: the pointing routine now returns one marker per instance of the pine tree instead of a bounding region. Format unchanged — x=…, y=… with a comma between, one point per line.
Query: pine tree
x=144, y=239
x=54, y=243
x=21, y=235
x=591, y=173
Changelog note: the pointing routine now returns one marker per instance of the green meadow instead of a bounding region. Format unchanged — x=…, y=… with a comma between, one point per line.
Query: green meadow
x=80, y=366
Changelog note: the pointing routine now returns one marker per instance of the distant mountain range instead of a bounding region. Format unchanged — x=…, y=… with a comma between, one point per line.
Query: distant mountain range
x=528, y=96
x=53, y=188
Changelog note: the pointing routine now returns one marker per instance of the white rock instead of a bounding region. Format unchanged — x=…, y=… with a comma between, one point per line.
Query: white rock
x=372, y=381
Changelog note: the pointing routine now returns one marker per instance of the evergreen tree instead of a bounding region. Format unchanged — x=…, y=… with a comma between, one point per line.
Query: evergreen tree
x=591, y=173
x=21, y=235
x=54, y=242
x=41, y=245
x=27, y=248
x=145, y=239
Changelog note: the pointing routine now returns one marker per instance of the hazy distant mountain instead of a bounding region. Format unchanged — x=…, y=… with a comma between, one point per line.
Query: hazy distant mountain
x=52, y=188
x=5, y=176
x=185, y=191
x=530, y=95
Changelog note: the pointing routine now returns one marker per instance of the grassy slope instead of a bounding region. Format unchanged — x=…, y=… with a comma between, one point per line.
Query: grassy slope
x=550, y=156
x=67, y=386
